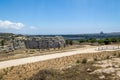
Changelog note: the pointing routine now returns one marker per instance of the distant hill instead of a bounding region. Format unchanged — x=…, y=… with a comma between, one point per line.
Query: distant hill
x=115, y=33
x=6, y=34
x=72, y=36
x=83, y=36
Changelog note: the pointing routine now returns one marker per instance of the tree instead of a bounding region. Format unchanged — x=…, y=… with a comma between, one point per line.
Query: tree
x=100, y=41
x=113, y=40
x=92, y=40
x=71, y=42
x=118, y=39
x=67, y=42
x=107, y=41
x=81, y=41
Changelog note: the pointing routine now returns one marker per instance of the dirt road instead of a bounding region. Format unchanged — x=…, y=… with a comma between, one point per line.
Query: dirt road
x=21, y=61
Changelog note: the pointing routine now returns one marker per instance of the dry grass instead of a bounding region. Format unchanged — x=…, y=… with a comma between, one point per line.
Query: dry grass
x=26, y=71
x=22, y=53
x=76, y=72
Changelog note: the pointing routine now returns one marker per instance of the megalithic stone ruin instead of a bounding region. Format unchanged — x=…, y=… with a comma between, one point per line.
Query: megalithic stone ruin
x=36, y=43
x=45, y=42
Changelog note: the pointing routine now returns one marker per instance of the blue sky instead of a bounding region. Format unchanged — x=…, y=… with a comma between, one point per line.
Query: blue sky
x=59, y=16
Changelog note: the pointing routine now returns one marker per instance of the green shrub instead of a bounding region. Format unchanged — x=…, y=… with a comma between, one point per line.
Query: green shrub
x=1, y=76
x=5, y=71
x=95, y=59
x=84, y=61
x=119, y=55
x=114, y=54
x=11, y=67
x=78, y=61
x=108, y=57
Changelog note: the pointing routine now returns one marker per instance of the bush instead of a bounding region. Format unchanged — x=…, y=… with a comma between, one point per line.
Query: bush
x=1, y=76
x=67, y=42
x=108, y=57
x=114, y=54
x=119, y=55
x=5, y=71
x=82, y=41
x=11, y=68
x=100, y=41
x=2, y=42
x=71, y=42
x=95, y=59
x=84, y=61
x=78, y=61
x=107, y=41
x=46, y=74
x=92, y=40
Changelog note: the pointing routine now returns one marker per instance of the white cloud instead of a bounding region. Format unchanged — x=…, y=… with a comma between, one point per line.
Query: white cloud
x=10, y=25
x=32, y=27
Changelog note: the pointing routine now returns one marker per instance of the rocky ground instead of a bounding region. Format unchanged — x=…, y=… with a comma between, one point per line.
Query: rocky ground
x=109, y=69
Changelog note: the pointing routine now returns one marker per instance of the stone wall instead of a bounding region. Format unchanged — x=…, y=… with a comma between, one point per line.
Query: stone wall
x=17, y=44
x=35, y=43
x=45, y=42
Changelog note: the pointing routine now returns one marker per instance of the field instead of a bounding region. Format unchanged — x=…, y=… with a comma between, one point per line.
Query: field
x=67, y=64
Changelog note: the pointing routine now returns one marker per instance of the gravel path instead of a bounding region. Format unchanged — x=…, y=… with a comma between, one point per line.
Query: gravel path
x=21, y=61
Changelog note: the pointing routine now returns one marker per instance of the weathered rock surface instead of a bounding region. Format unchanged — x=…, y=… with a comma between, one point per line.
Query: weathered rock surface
x=45, y=42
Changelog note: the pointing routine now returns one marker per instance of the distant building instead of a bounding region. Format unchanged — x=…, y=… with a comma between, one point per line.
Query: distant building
x=101, y=33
